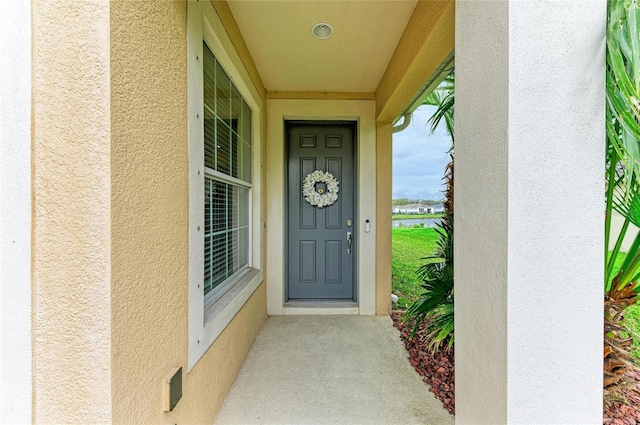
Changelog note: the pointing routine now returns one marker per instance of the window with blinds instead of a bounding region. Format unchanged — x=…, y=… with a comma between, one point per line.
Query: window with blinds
x=227, y=179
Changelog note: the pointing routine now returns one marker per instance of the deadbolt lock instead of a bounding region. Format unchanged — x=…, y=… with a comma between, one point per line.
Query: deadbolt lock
x=349, y=222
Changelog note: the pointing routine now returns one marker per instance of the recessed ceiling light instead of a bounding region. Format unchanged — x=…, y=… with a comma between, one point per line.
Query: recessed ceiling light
x=322, y=30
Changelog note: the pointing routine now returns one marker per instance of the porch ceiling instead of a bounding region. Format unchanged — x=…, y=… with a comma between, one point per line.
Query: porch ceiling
x=289, y=58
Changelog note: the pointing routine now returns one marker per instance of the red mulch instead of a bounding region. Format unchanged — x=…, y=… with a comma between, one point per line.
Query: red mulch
x=629, y=412
x=437, y=371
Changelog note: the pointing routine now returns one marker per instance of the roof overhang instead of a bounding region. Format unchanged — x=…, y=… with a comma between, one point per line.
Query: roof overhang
x=392, y=51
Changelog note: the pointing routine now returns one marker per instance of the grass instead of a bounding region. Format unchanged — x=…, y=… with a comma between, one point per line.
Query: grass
x=631, y=315
x=632, y=322
x=416, y=216
x=409, y=247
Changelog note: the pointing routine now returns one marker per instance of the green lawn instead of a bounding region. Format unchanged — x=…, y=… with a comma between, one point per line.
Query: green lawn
x=409, y=216
x=409, y=246
x=633, y=323
x=632, y=315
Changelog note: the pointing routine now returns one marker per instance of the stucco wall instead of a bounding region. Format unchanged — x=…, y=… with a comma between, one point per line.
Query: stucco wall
x=149, y=222
x=481, y=215
x=71, y=187
x=529, y=301
x=384, y=173
x=149, y=204
x=15, y=212
x=206, y=386
x=556, y=260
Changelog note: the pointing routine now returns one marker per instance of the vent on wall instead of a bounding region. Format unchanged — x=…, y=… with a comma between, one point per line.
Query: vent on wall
x=172, y=389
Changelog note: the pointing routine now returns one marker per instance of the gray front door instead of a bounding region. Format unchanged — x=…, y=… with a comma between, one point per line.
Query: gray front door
x=320, y=258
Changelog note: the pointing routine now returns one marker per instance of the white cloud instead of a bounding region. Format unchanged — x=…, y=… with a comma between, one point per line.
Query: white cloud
x=419, y=158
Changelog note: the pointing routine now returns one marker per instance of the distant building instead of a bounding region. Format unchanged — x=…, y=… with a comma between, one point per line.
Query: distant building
x=418, y=209
x=435, y=209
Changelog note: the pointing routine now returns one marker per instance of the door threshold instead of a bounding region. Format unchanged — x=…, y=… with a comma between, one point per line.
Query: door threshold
x=320, y=307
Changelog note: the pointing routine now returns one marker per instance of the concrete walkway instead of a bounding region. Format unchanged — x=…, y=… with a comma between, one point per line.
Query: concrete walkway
x=329, y=370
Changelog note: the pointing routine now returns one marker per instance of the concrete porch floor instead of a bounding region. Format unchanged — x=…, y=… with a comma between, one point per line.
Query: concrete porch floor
x=329, y=370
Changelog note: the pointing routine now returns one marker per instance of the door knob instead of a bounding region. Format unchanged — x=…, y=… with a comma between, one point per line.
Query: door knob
x=349, y=242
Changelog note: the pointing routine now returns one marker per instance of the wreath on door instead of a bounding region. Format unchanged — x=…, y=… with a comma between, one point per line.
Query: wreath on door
x=319, y=197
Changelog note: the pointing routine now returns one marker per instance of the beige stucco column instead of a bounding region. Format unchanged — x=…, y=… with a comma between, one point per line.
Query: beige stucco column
x=71, y=212
x=529, y=211
x=383, y=212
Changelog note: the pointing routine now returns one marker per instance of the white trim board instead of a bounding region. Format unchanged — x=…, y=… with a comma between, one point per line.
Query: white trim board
x=361, y=111
x=206, y=325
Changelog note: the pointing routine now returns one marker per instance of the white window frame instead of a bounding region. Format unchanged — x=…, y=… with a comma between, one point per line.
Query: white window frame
x=219, y=291
x=207, y=321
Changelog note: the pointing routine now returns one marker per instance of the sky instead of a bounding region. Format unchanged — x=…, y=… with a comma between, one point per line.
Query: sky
x=419, y=158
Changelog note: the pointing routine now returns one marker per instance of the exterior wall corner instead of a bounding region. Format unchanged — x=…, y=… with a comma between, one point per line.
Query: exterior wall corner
x=16, y=346
x=384, y=154
x=71, y=160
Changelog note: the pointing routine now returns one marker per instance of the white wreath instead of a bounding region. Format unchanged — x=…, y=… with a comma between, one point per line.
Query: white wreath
x=318, y=198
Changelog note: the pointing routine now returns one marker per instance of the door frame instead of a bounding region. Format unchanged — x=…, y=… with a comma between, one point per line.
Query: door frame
x=354, y=125
x=362, y=112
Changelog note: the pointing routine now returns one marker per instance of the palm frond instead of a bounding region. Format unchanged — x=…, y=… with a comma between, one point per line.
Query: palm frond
x=622, y=178
x=440, y=329
x=444, y=98
x=623, y=94
x=623, y=132
x=434, y=308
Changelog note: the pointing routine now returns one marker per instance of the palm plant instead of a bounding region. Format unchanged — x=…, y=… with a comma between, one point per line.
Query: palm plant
x=623, y=181
x=435, y=305
x=622, y=195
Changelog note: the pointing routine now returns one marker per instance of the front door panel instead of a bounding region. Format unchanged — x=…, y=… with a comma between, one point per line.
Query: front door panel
x=320, y=258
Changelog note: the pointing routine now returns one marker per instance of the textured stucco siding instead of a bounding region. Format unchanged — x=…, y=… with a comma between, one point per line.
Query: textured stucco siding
x=110, y=220
x=556, y=260
x=149, y=204
x=208, y=383
x=71, y=209
x=529, y=305
x=384, y=172
x=150, y=218
x=481, y=213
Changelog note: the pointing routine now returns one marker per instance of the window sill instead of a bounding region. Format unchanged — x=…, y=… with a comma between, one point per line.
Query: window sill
x=219, y=314
x=230, y=297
